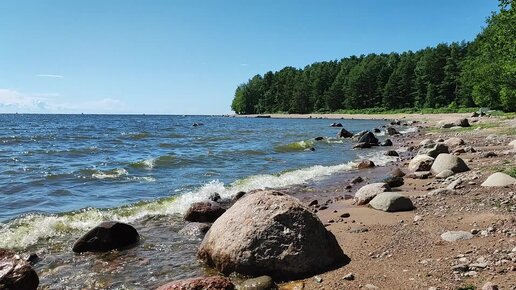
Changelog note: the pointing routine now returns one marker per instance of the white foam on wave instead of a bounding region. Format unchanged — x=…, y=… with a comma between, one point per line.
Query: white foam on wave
x=30, y=229
x=112, y=174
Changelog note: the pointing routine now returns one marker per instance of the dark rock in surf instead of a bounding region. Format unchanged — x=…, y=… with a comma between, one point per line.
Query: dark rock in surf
x=365, y=164
x=204, y=212
x=15, y=273
x=376, y=130
x=238, y=195
x=215, y=197
x=368, y=137
x=391, y=131
x=107, y=236
x=343, y=133
x=318, y=138
x=336, y=125
x=387, y=142
x=392, y=153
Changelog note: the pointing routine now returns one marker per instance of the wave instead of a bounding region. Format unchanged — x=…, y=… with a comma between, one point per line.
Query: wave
x=295, y=146
x=99, y=174
x=162, y=161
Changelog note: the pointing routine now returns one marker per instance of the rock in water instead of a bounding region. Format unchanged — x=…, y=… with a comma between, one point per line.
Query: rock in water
x=369, y=191
x=365, y=164
x=452, y=236
x=391, y=131
x=368, y=137
x=391, y=202
x=270, y=233
x=392, y=153
x=499, y=179
x=107, y=236
x=195, y=229
x=448, y=162
x=362, y=145
x=204, y=212
x=343, y=133
x=387, y=142
x=421, y=163
x=15, y=273
x=202, y=283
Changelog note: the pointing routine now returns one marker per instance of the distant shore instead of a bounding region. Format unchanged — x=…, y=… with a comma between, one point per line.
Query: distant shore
x=418, y=117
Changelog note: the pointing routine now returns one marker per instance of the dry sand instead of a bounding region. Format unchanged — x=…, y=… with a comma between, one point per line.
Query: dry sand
x=393, y=251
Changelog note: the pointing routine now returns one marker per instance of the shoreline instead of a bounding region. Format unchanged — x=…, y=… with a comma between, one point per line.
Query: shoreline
x=417, y=117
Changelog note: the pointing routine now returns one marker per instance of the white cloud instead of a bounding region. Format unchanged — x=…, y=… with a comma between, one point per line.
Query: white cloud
x=244, y=64
x=12, y=101
x=50, y=76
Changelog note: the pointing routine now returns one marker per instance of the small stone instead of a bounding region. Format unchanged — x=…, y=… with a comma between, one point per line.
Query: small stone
x=258, y=283
x=490, y=286
x=349, y=277
x=345, y=215
x=370, y=286
x=453, y=236
x=318, y=279
x=460, y=268
x=418, y=218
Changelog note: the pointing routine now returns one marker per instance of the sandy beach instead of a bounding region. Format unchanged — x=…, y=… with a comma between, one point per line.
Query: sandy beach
x=404, y=250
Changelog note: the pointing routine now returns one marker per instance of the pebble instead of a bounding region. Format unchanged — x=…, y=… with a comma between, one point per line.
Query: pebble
x=349, y=277
x=318, y=279
x=370, y=286
x=418, y=218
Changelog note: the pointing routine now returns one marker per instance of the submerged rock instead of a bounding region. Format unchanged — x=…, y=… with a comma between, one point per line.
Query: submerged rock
x=270, y=233
x=499, y=179
x=195, y=229
x=204, y=212
x=367, y=192
x=392, y=153
x=202, y=283
x=391, y=202
x=107, y=236
x=15, y=273
x=391, y=131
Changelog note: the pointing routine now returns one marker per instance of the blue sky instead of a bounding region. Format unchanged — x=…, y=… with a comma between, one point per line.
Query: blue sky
x=186, y=56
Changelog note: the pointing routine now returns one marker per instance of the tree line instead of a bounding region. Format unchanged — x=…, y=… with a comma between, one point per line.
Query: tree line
x=461, y=74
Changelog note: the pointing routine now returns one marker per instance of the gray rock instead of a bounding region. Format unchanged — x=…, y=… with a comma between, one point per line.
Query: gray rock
x=421, y=163
x=427, y=142
x=462, y=122
x=269, y=233
x=499, y=179
x=367, y=192
x=397, y=172
x=419, y=175
x=453, y=236
x=442, y=191
x=394, y=181
x=454, y=142
x=448, y=162
x=391, y=202
x=349, y=277
x=194, y=229
x=16, y=273
x=445, y=124
x=454, y=184
x=490, y=286
x=371, y=287
x=444, y=174
x=435, y=150
x=368, y=137
x=258, y=283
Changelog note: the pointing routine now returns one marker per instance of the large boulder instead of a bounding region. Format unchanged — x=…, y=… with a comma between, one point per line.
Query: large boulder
x=343, y=133
x=15, y=273
x=202, y=283
x=448, y=162
x=367, y=192
x=368, y=137
x=270, y=233
x=499, y=179
x=434, y=150
x=204, y=212
x=391, y=202
x=454, y=142
x=358, y=135
x=107, y=236
x=420, y=163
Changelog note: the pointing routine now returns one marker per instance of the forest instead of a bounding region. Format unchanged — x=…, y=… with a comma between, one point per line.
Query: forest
x=478, y=73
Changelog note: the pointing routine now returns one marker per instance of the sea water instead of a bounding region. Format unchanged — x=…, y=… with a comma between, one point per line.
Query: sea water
x=60, y=175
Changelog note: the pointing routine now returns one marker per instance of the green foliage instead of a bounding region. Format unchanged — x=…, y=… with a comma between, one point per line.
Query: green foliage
x=447, y=77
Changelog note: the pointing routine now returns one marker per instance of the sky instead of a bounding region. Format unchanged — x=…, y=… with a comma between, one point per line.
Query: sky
x=188, y=56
